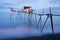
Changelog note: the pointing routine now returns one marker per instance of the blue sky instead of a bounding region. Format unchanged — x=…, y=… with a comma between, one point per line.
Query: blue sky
x=36, y=4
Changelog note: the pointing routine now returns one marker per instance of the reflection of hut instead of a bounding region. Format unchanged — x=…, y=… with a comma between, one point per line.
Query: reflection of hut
x=27, y=9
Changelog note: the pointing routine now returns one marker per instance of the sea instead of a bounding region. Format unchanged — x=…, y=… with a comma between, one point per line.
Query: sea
x=14, y=24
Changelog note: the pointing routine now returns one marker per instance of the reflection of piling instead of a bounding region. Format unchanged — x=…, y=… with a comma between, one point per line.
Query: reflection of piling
x=35, y=20
x=18, y=15
x=29, y=19
x=12, y=22
x=11, y=15
x=12, y=19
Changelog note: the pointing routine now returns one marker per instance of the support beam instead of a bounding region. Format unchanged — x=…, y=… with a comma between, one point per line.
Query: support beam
x=45, y=23
x=39, y=21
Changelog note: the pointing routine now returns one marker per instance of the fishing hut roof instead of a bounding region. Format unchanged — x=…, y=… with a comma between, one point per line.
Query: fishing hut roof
x=27, y=7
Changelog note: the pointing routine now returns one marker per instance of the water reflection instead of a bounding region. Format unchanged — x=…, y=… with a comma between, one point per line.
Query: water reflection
x=22, y=19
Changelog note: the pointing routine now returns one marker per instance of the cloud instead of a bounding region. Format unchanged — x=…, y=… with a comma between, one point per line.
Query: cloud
x=36, y=4
x=55, y=2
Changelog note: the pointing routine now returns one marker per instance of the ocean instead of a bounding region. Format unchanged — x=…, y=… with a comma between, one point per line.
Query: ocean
x=24, y=24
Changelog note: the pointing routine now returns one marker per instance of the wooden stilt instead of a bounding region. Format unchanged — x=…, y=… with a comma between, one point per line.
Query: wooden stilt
x=39, y=21
x=44, y=23
x=51, y=21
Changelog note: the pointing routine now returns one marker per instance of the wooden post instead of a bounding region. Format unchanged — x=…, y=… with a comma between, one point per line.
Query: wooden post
x=51, y=21
x=45, y=22
x=39, y=21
